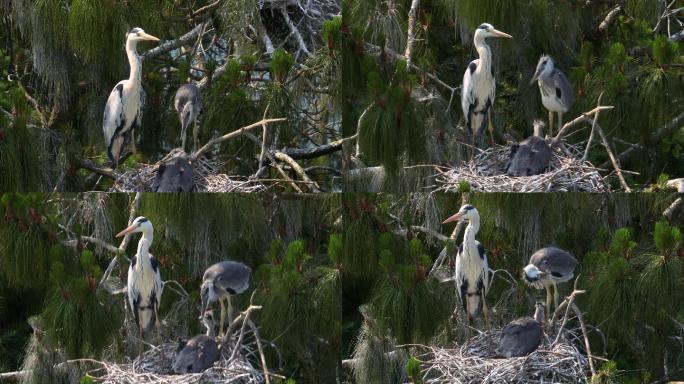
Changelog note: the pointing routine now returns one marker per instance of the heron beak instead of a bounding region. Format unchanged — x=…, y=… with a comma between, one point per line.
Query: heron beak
x=126, y=231
x=453, y=218
x=498, y=33
x=536, y=76
x=149, y=37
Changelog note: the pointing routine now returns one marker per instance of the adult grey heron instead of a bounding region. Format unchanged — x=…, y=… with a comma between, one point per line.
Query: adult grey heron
x=531, y=156
x=174, y=175
x=124, y=105
x=522, y=336
x=200, y=352
x=220, y=281
x=548, y=267
x=472, y=271
x=144, y=279
x=479, y=85
x=556, y=92
x=188, y=105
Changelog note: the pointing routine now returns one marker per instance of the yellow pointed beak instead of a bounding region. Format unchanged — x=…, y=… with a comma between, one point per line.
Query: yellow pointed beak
x=149, y=37
x=126, y=231
x=498, y=33
x=453, y=218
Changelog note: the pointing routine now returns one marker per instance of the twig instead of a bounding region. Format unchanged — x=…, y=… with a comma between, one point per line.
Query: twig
x=593, y=127
x=567, y=303
x=590, y=357
x=656, y=136
x=584, y=117
x=295, y=32
x=275, y=164
x=608, y=20
x=312, y=185
x=613, y=160
x=231, y=135
x=261, y=351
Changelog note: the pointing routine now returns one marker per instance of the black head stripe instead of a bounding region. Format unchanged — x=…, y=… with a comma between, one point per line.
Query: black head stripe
x=468, y=207
x=483, y=26
x=142, y=219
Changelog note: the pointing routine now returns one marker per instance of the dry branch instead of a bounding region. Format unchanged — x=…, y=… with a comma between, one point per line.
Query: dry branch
x=170, y=45
x=232, y=135
x=411, y=32
x=312, y=185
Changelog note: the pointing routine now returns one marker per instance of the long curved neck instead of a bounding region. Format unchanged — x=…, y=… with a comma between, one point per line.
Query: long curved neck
x=133, y=61
x=210, y=330
x=471, y=230
x=144, y=249
x=485, y=54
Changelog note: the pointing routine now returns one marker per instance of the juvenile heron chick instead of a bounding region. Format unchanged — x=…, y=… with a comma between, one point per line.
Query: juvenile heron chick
x=200, y=352
x=188, y=105
x=522, y=336
x=547, y=268
x=556, y=92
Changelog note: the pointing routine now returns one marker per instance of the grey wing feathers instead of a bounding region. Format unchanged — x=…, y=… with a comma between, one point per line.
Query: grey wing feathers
x=520, y=337
x=552, y=259
x=561, y=83
x=229, y=275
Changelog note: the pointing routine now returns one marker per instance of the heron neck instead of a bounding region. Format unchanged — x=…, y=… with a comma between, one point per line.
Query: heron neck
x=471, y=230
x=133, y=61
x=143, y=249
x=485, y=54
x=210, y=330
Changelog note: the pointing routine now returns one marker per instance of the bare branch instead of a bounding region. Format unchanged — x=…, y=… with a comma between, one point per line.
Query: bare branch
x=411, y=32
x=232, y=135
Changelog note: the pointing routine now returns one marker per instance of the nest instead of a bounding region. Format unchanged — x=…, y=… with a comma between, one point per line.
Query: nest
x=155, y=366
x=486, y=172
x=206, y=178
x=476, y=362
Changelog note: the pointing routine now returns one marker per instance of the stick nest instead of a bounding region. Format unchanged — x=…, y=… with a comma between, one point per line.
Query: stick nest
x=155, y=366
x=206, y=177
x=486, y=172
x=476, y=362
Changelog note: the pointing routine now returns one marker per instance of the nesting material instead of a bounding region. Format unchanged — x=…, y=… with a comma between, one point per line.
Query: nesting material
x=487, y=173
x=155, y=366
x=206, y=177
x=476, y=362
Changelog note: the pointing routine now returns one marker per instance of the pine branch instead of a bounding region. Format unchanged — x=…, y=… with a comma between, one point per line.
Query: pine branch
x=231, y=135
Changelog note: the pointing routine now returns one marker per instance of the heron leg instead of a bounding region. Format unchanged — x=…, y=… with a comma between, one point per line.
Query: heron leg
x=490, y=127
x=229, y=310
x=550, y=123
x=560, y=121
x=485, y=312
x=555, y=295
x=223, y=313
x=195, y=133
x=183, y=134
x=133, y=150
x=548, y=300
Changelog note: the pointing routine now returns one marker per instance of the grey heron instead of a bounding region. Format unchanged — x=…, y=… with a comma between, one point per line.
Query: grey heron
x=222, y=280
x=556, y=92
x=531, y=156
x=124, y=105
x=200, y=352
x=472, y=271
x=522, y=336
x=479, y=85
x=548, y=267
x=174, y=175
x=188, y=105
x=144, y=278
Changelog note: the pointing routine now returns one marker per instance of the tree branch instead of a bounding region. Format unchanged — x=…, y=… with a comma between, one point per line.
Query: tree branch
x=170, y=45
x=232, y=135
x=312, y=185
x=411, y=32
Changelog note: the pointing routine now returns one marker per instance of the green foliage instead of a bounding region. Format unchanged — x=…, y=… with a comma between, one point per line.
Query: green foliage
x=335, y=248
x=332, y=33
x=664, y=51
x=668, y=239
x=281, y=63
x=413, y=370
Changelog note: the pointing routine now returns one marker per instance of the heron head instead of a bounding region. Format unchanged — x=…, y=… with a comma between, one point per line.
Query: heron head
x=140, y=224
x=466, y=213
x=544, y=67
x=137, y=34
x=208, y=319
x=488, y=30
